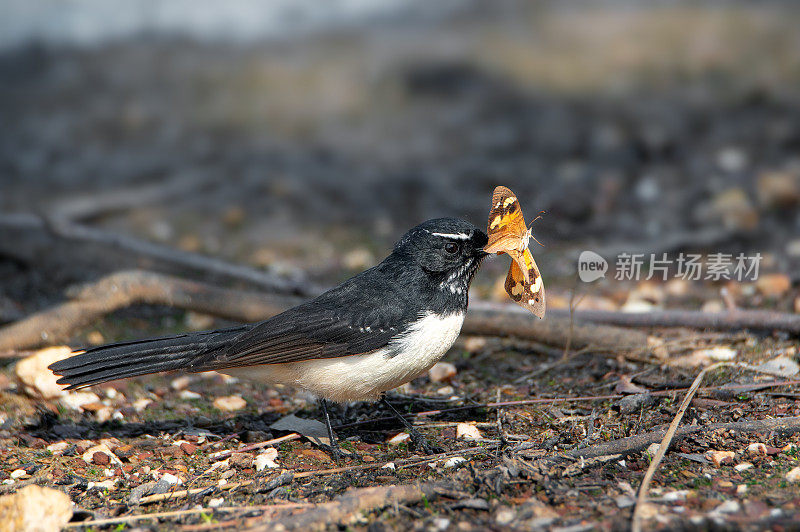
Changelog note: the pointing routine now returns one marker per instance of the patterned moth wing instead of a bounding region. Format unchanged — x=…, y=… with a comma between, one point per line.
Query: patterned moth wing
x=506, y=227
x=509, y=234
x=529, y=294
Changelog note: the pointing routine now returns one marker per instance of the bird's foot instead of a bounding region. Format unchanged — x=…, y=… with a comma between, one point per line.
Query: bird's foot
x=419, y=441
x=422, y=444
x=335, y=451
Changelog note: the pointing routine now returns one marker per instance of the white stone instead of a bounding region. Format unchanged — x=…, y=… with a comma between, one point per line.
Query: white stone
x=75, y=400
x=229, y=403
x=727, y=507
x=180, y=383
x=454, y=461
x=58, y=447
x=442, y=371
x=783, y=366
x=397, y=439
x=793, y=475
x=188, y=395
x=757, y=449
x=140, y=404
x=652, y=450
x=441, y=523
x=169, y=478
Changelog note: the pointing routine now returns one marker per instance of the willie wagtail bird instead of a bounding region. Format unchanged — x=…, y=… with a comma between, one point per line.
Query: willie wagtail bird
x=374, y=332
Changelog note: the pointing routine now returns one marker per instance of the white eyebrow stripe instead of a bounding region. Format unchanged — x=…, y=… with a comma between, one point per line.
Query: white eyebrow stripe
x=457, y=236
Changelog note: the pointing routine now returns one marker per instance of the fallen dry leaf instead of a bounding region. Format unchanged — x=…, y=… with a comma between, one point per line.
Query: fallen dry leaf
x=467, y=431
x=34, y=376
x=266, y=459
x=35, y=509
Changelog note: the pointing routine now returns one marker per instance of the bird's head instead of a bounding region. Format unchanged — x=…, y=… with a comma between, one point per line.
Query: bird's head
x=449, y=250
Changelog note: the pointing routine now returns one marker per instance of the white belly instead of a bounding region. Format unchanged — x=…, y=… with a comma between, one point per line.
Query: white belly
x=361, y=377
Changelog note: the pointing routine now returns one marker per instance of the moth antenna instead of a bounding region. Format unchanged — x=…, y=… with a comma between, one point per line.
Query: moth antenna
x=530, y=228
x=537, y=218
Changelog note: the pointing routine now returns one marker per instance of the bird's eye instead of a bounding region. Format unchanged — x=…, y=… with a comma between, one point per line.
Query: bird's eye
x=451, y=247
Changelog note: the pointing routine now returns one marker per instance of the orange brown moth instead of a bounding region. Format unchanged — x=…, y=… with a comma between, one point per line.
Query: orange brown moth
x=509, y=234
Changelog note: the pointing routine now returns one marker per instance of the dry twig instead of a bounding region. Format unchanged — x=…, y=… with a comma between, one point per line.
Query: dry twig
x=59, y=246
x=644, y=487
x=344, y=507
x=639, y=442
x=122, y=289
x=182, y=513
x=410, y=462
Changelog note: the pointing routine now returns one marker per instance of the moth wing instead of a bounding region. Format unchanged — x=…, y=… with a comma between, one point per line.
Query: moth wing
x=503, y=243
x=526, y=293
x=506, y=225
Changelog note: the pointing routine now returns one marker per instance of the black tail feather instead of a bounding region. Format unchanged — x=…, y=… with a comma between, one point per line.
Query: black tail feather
x=188, y=352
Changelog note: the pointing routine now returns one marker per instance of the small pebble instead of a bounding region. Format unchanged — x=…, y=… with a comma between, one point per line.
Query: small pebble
x=793, y=475
x=58, y=448
x=188, y=395
x=188, y=448
x=75, y=400
x=181, y=383
x=397, y=439
x=441, y=523
x=101, y=458
x=241, y=460
x=101, y=449
x=756, y=449
x=454, y=461
x=229, y=403
x=720, y=457
x=442, y=372
x=169, y=478
x=728, y=507
x=504, y=516
x=652, y=450
x=140, y=404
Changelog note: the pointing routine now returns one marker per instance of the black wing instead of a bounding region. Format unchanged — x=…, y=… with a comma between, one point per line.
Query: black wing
x=359, y=316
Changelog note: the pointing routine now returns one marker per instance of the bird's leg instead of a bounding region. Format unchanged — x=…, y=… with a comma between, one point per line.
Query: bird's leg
x=419, y=440
x=334, y=443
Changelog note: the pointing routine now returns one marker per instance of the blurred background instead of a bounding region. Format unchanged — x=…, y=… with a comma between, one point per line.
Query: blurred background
x=305, y=137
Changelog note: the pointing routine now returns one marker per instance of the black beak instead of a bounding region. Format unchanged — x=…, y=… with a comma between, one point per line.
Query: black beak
x=479, y=241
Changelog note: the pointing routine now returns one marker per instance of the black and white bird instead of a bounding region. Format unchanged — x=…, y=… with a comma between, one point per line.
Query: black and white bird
x=374, y=332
